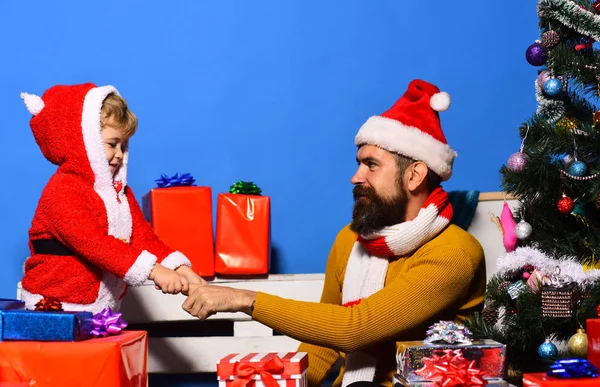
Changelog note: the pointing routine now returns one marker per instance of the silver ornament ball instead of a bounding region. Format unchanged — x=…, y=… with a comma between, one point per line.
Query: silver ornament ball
x=523, y=230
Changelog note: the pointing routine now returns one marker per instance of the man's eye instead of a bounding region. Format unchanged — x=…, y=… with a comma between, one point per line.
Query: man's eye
x=112, y=144
x=371, y=165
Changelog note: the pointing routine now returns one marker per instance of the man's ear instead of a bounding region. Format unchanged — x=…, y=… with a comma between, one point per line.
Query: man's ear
x=417, y=175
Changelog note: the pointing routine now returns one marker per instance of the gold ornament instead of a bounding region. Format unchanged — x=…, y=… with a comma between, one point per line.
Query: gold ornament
x=578, y=344
x=566, y=125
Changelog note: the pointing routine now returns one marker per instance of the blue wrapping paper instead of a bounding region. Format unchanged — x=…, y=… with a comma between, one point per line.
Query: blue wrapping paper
x=29, y=325
x=9, y=304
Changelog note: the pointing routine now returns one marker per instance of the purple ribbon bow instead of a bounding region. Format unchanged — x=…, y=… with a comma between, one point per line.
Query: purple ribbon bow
x=107, y=323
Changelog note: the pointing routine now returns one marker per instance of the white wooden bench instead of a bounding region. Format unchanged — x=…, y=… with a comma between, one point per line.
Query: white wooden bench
x=180, y=344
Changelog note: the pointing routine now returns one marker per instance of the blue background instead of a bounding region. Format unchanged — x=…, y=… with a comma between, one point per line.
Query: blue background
x=269, y=91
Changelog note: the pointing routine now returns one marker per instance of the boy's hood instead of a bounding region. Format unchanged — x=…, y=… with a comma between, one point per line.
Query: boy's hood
x=66, y=125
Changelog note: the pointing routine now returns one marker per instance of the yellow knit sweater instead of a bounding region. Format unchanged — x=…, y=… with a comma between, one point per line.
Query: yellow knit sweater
x=442, y=280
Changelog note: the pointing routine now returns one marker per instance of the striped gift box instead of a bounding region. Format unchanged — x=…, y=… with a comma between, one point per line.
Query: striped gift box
x=273, y=369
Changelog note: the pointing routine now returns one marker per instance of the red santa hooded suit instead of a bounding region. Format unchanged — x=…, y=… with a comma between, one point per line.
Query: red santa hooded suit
x=88, y=238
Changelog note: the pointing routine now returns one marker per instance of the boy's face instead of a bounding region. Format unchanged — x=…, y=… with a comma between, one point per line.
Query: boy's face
x=115, y=144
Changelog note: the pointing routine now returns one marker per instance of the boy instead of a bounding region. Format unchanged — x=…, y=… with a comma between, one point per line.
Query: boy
x=88, y=238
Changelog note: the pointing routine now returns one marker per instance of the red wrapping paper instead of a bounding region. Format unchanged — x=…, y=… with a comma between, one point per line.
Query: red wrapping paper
x=115, y=361
x=540, y=379
x=182, y=218
x=243, y=241
x=284, y=369
x=593, y=334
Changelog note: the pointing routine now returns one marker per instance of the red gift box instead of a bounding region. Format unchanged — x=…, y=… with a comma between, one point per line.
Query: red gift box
x=273, y=369
x=182, y=218
x=593, y=335
x=116, y=361
x=540, y=379
x=243, y=224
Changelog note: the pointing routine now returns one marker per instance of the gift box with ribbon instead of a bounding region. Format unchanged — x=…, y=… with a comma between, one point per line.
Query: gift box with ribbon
x=414, y=358
x=243, y=231
x=274, y=369
x=54, y=324
x=399, y=382
x=116, y=361
x=181, y=216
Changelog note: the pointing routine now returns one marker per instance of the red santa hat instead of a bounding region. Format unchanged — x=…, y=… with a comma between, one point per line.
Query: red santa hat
x=412, y=128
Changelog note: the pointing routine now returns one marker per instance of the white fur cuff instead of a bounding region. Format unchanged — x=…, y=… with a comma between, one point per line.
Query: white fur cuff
x=139, y=272
x=174, y=260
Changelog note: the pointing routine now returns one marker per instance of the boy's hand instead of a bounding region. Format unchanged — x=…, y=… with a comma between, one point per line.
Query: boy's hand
x=167, y=280
x=190, y=275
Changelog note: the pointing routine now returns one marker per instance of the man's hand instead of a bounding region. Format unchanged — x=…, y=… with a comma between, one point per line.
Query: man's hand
x=190, y=276
x=167, y=280
x=205, y=300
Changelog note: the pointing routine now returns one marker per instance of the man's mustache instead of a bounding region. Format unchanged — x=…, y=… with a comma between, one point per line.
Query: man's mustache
x=360, y=190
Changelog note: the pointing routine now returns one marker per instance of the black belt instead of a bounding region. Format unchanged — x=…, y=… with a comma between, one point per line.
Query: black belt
x=50, y=247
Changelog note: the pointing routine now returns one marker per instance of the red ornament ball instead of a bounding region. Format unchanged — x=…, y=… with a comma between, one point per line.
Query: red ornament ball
x=565, y=205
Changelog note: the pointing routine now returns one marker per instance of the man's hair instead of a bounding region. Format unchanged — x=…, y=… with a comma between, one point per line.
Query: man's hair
x=432, y=180
x=115, y=113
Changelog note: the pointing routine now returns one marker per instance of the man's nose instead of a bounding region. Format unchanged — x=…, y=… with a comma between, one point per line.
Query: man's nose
x=358, y=177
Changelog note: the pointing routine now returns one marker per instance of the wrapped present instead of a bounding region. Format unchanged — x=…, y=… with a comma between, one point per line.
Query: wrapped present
x=181, y=215
x=488, y=356
x=560, y=295
x=398, y=381
x=33, y=325
x=115, y=361
x=243, y=228
x=593, y=335
x=286, y=369
x=9, y=304
x=50, y=323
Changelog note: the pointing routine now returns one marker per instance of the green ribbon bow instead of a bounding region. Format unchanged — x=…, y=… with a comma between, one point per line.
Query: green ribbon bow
x=245, y=188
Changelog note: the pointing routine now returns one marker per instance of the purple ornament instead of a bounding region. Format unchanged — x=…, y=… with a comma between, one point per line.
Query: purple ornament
x=542, y=78
x=536, y=54
x=517, y=161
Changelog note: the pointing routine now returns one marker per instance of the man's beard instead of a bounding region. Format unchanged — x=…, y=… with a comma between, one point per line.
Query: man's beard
x=374, y=213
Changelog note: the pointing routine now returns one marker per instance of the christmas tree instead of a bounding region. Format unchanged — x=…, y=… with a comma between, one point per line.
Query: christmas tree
x=548, y=284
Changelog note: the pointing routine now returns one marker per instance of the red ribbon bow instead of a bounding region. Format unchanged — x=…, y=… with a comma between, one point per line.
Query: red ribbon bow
x=451, y=370
x=48, y=304
x=245, y=372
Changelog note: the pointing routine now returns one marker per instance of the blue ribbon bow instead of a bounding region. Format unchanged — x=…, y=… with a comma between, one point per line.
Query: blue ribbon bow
x=177, y=180
x=573, y=368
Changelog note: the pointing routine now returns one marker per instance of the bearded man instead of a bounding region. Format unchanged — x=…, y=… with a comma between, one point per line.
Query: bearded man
x=398, y=268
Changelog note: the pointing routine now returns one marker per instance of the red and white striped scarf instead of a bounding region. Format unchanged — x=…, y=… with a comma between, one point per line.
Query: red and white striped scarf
x=368, y=264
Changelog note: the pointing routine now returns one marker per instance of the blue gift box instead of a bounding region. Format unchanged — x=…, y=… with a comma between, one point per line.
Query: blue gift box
x=8, y=304
x=46, y=326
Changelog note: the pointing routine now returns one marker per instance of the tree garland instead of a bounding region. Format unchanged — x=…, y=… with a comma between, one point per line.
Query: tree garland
x=571, y=15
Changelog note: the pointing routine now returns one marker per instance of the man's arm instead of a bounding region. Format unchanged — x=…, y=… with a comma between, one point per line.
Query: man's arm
x=437, y=281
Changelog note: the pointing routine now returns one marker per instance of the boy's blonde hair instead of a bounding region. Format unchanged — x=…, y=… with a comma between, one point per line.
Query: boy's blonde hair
x=115, y=113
